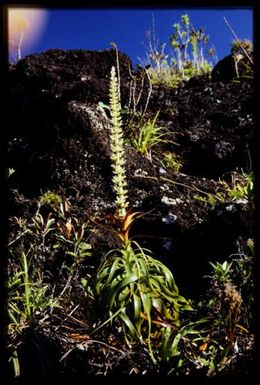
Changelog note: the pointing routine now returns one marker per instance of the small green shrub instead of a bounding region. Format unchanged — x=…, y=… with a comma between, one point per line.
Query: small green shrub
x=186, y=57
x=149, y=136
x=172, y=162
x=221, y=271
x=242, y=46
x=229, y=305
x=50, y=198
x=68, y=231
x=53, y=235
x=27, y=295
x=71, y=237
x=220, y=334
x=242, y=52
x=184, y=39
x=241, y=188
x=182, y=350
x=29, y=300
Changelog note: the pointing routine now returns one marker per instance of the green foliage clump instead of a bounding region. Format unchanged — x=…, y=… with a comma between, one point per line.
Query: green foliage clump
x=220, y=336
x=138, y=290
x=241, y=189
x=184, y=39
x=242, y=52
x=27, y=295
x=28, y=299
x=50, y=198
x=172, y=162
x=148, y=137
x=50, y=235
x=242, y=47
x=186, y=58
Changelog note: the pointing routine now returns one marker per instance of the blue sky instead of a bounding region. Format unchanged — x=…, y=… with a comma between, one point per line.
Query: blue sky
x=95, y=29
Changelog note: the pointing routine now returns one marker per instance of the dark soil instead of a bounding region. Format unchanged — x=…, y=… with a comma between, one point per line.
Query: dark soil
x=59, y=141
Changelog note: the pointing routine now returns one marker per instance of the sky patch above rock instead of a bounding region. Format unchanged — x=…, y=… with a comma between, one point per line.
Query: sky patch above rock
x=95, y=29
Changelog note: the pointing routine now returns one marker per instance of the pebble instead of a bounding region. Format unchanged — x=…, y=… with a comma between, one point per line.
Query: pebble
x=170, y=218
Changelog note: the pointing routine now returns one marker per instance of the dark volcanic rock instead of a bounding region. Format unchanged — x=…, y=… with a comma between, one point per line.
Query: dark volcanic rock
x=232, y=67
x=58, y=76
x=211, y=122
x=225, y=69
x=59, y=141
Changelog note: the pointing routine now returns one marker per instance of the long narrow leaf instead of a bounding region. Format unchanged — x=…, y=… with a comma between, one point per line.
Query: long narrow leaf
x=132, y=278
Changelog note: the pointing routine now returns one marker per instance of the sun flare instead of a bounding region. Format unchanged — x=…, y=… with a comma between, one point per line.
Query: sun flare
x=25, y=26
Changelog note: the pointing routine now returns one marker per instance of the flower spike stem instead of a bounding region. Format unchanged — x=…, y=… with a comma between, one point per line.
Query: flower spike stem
x=117, y=147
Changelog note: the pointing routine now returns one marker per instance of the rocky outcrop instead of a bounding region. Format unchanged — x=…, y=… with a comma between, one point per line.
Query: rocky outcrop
x=59, y=140
x=234, y=66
